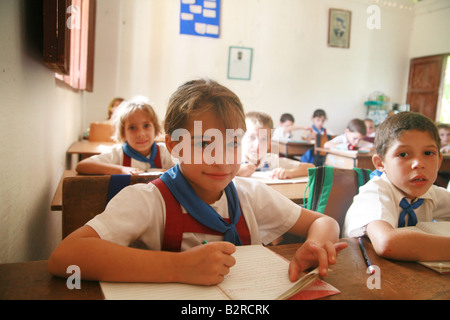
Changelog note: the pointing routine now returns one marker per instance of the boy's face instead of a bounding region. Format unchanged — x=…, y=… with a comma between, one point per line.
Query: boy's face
x=214, y=161
x=256, y=142
x=318, y=122
x=411, y=163
x=444, y=134
x=353, y=137
x=139, y=132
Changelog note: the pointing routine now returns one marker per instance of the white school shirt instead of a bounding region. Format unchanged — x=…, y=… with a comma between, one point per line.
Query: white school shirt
x=138, y=213
x=115, y=156
x=343, y=142
x=379, y=199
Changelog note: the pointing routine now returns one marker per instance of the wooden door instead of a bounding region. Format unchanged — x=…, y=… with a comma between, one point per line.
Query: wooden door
x=424, y=84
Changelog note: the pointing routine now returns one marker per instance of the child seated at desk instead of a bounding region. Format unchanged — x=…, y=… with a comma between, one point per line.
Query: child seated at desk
x=370, y=130
x=256, y=155
x=286, y=128
x=223, y=210
x=407, y=154
x=444, y=134
x=352, y=138
x=136, y=127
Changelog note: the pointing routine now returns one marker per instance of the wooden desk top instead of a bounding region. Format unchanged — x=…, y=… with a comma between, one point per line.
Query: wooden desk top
x=88, y=148
x=399, y=280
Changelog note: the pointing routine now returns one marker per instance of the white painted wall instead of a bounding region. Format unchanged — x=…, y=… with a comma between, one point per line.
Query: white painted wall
x=293, y=68
x=38, y=122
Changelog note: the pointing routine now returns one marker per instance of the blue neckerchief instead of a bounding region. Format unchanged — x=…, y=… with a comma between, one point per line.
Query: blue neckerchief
x=200, y=210
x=129, y=151
x=408, y=209
x=317, y=130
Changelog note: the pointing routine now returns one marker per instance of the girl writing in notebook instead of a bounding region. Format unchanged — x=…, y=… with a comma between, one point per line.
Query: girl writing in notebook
x=197, y=200
x=136, y=128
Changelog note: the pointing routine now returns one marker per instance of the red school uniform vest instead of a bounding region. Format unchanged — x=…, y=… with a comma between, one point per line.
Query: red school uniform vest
x=157, y=161
x=178, y=222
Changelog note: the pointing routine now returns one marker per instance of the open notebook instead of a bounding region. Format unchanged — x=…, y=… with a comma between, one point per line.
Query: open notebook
x=441, y=228
x=259, y=274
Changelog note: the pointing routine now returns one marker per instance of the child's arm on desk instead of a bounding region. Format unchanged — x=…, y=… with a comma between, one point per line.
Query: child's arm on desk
x=105, y=261
x=89, y=166
x=321, y=246
x=406, y=244
x=300, y=171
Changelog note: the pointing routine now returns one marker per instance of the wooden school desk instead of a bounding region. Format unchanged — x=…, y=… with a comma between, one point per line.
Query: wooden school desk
x=399, y=280
x=84, y=149
x=290, y=149
x=347, y=159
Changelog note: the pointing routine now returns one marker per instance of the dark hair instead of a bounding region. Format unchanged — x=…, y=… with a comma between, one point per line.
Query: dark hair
x=287, y=117
x=394, y=126
x=319, y=113
x=357, y=125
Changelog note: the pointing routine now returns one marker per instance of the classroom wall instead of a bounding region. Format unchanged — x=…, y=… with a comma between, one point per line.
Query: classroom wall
x=293, y=68
x=38, y=121
x=430, y=29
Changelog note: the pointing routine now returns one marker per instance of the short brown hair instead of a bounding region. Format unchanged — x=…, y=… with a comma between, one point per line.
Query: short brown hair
x=394, y=126
x=198, y=96
x=260, y=118
x=357, y=125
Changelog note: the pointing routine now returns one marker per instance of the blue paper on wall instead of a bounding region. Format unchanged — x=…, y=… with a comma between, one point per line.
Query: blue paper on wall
x=200, y=18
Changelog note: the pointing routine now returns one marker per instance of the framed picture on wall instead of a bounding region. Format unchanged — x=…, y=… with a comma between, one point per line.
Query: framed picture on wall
x=240, y=63
x=339, y=25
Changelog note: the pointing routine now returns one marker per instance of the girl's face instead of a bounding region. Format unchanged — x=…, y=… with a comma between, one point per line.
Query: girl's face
x=209, y=160
x=444, y=134
x=318, y=122
x=353, y=137
x=139, y=132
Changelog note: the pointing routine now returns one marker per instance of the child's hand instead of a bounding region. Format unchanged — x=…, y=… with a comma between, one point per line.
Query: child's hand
x=311, y=254
x=207, y=264
x=279, y=173
x=132, y=171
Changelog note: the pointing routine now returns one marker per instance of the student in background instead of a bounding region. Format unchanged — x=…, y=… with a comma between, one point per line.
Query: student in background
x=444, y=134
x=370, y=130
x=210, y=193
x=352, y=138
x=286, y=127
x=256, y=151
x=407, y=154
x=136, y=152
x=112, y=107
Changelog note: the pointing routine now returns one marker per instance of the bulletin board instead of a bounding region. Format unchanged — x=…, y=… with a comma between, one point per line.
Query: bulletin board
x=200, y=18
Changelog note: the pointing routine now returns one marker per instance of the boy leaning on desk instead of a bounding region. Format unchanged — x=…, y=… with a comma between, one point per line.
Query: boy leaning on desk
x=408, y=155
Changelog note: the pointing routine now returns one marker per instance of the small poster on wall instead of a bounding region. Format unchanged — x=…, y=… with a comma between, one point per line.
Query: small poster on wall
x=240, y=63
x=200, y=18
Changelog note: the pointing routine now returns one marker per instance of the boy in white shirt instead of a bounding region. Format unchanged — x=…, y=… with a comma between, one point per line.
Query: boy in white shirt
x=407, y=152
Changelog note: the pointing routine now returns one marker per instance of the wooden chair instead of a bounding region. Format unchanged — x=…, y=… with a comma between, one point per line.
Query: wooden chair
x=101, y=131
x=83, y=197
x=334, y=189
